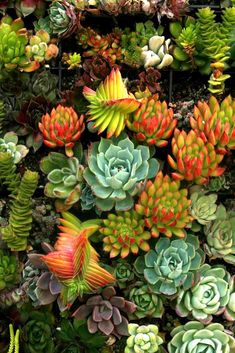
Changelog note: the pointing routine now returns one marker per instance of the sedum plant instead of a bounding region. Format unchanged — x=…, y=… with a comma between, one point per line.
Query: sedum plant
x=116, y=170
x=143, y=339
x=124, y=233
x=9, y=144
x=212, y=338
x=9, y=270
x=164, y=207
x=174, y=264
x=203, y=207
x=207, y=297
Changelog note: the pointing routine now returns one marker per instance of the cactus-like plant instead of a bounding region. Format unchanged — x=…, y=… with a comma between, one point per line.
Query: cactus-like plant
x=143, y=339
x=9, y=144
x=164, y=207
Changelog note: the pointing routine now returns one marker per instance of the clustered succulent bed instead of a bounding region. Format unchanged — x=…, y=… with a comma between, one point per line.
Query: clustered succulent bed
x=117, y=207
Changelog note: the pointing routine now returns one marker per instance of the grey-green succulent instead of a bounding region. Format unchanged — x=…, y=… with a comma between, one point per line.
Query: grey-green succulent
x=207, y=297
x=123, y=273
x=9, y=144
x=172, y=266
x=203, y=207
x=63, y=18
x=229, y=312
x=143, y=339
x=116, y=171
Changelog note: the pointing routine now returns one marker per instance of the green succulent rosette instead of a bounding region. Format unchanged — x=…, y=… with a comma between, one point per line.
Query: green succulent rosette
x=63, y=18
x=9, y=272
x=123, y=273
x=173, y=265
x=143, y=339
x=229, y=312
x=203, y=207
x=194, y=337
x=116, y=170
x=9, y=144
x=206, y=298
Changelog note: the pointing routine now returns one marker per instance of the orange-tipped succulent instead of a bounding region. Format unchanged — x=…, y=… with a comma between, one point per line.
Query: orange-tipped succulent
x=216, y=122
x=164, y=207
x=195, y=159
x=152, y=122
x=62, y=128
x=74, y=261
x=110, y=105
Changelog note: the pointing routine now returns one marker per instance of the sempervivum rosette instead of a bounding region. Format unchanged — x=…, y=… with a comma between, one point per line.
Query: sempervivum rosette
x=63, y=18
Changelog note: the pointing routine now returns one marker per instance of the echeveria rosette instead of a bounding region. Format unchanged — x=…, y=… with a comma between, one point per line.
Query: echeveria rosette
x=229, y=312
x=63, y=18
x=164, y=207
x=194, y=337
x=9, y=144
x=203, y=207
x=124, y=233
x=173, y=265
x=143, y=339
x=220, y=236
x=207, y=297
x=116, y=170
x=123, y=272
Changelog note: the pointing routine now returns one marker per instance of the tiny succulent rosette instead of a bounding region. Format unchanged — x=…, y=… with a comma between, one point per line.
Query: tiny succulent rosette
x=62, y=127
x=164, y=207
x=123, y=272
x=196, y=337
x=116, y=171
x=229, y=312
x=196, y=159
x=173, y=265
x=203, y=207
x=9, y=144
x=220, y=236
x=124, y=233
x=143, y=339
x=207, y=297
x=153, y=122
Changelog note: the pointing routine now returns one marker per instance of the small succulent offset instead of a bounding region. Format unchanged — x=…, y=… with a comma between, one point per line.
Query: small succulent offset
x=9, y=272
x=110, y=104
x=173, y=265
x=207, y=297
x=143, y=339
x=62, y=128
x=124, y=233
x=116, y=170
x=212, y=338
x=65, y=177
x=203, y=207
x=156, y=53
x=229, y=312
x=164, y=207
x=104, y=313
x=9, y=144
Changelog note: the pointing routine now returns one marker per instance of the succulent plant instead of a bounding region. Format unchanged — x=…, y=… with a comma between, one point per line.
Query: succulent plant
x=110, y=104
x=148, y=304
x=9, y=270
x=72, y=60
x=215, y=122
x=116, y=170
x=62, y=128
x=220, y=236
x=9, y=144
x=196, y=159
x=123, y=272
x=207, y=297
x=40, y=48
x=87, y=199
x=27, y=7
x=211, y=338
x=124, y=233
x=104, y=313
x=143, y=339
x=203, y=207
x=156, y=53
x=149, y=79
x=229, y=312
x=152, y=122
x=173, y=265
x=63, y=18
x=2, y=116
x=216, y=184
x=14, y=339
x=65, y=176
x=164, y=207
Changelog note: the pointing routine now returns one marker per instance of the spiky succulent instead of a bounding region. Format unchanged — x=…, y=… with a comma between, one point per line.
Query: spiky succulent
x=9, y=144
x=212, y=338
x=105, y=313
x=124, y=233
x=63, y=18
x=110, y=104
x=156, y=53
x=62, y=127
x=220, y=236
x=229, y=312
x=164, y=207
x=173, y=265
x=207, y=297
x=152, y=122
x=9, y=271
x=116, y=170
x=196, y=159
x=143, y=339
x=215, y=122
x=203, y=207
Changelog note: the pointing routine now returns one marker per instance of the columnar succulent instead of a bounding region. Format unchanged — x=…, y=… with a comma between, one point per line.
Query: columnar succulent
x=62, y=128
x=211, y=338
x=124, y=233
x=116, y=170
x=110, y=104
x=173, y=265
x=156, y=53
x=196, y=159
x=9, y=144
x=164, y=207
x=63, y=18
x=215, y=122
x=203, y=207
x=207, y=297
x=143, y=339
x=104, y=313
x=152, y=122
x=229, y=312
x=9, y=271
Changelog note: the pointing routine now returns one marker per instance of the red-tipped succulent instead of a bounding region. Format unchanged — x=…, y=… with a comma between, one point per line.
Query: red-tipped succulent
x=62, y=128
